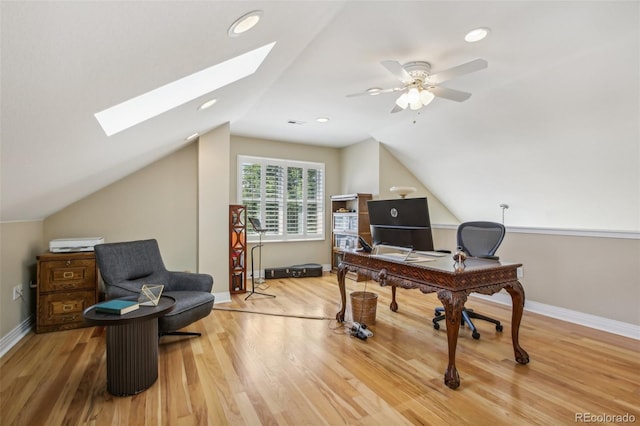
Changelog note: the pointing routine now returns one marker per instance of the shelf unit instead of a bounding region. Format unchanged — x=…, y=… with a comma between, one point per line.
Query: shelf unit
x=349, y=219
x=237, y=249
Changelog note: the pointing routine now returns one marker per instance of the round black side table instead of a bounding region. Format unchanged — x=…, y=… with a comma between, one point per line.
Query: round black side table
x=132, y=345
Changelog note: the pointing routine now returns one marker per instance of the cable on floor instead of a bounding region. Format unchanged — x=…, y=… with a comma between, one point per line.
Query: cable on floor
x=272, y=314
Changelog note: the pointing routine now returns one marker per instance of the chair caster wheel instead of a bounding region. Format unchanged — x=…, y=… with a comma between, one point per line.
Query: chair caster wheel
x=498, y=327
x=475, y=335
x=436, y=326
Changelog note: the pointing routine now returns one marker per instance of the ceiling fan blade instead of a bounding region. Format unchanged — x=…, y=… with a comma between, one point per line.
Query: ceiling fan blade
x=396, y=69
x=353, y=95
x=396, y=109
x=376, y=92
x=469, y=67
x=454, y=95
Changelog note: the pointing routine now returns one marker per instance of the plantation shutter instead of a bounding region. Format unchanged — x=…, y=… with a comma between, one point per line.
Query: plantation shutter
x=287, y=196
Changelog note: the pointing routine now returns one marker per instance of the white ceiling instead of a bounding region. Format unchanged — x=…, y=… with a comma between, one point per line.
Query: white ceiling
x=552, y=128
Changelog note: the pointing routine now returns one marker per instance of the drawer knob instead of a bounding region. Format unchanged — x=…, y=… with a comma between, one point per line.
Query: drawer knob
x=67, y=274
x=68, y=262
x=67, y=308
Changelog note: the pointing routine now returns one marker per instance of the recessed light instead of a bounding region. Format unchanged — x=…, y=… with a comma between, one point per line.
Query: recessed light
x=192, y=137
x=322, y=119
x=476, y=35
x=244, y=23
x=207, y=104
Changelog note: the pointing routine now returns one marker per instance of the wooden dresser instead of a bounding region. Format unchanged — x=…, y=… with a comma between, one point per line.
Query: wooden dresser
x=67, y=285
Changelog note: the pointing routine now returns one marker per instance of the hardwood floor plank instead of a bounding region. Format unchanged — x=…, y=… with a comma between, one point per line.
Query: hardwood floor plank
x=278, y=364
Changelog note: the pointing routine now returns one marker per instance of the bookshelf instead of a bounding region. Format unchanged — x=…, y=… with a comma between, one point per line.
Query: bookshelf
x=349, y=219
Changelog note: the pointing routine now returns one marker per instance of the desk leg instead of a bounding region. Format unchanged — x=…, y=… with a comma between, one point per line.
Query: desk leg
x=517, y=300
x=342, y=273
x=453, y=304
x=394, y=304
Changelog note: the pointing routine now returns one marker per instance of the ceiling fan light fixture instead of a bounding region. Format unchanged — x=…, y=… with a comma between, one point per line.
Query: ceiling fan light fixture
x=476, y=34
x=244, y=23
x=415, y=105
x=402, y=101
x=413, y=96
x=426, y=97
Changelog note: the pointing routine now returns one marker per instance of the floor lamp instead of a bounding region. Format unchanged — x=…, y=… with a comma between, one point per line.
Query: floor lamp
x=260, y=230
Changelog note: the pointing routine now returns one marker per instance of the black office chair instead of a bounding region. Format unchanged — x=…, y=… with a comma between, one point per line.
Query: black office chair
x=476, y=239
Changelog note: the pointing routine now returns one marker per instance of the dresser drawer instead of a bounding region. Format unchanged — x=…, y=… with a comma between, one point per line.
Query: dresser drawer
x=61, y=308
x=61, y=275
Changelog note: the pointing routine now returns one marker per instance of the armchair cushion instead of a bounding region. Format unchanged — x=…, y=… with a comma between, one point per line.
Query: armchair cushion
x=190, y=306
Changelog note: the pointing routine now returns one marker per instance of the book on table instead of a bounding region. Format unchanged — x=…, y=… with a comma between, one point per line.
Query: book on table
x=117, y=306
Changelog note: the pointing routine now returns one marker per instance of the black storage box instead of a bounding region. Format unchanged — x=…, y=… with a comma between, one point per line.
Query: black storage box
x=295, y=271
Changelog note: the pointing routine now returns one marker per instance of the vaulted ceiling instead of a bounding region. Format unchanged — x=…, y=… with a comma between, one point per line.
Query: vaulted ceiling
x=552, y=127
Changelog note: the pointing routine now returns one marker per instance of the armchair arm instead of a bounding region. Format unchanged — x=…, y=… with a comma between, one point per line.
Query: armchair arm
x=187, y=281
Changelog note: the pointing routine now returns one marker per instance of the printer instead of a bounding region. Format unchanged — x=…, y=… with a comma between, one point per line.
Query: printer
x=68, y=245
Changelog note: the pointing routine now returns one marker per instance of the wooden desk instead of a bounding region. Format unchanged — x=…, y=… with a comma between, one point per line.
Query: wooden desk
x=452, y=283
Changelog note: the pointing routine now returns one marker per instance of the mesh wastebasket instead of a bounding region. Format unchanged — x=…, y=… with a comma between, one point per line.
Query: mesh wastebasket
x=363, y=307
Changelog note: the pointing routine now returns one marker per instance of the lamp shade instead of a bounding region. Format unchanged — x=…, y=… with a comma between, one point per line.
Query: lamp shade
x=402, y=101
x=413, y=96
x=426, y=97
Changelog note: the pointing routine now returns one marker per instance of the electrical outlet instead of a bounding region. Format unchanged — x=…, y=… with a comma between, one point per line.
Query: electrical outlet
x=17, y=292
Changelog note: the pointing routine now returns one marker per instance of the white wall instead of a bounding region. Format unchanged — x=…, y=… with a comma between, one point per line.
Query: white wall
x=158, y=201
x=360, y=168
x=213, y=206
x=20, y=243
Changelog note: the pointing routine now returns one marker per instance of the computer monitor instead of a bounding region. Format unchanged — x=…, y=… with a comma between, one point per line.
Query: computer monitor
x=401, y=223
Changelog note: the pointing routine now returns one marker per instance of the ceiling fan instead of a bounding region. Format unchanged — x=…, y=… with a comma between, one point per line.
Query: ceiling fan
x=420, y=86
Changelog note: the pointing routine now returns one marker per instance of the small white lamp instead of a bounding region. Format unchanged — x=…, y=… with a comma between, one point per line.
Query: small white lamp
x=402, y=191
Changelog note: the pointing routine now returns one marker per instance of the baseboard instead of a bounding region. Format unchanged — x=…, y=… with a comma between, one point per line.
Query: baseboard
x=581, y=318
x=222, y=297
x=14, y=336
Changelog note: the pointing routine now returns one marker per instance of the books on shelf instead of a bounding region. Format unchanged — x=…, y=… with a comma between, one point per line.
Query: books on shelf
x=117, y=306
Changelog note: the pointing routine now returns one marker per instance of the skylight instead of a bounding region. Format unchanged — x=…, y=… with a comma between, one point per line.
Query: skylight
x=148, y=105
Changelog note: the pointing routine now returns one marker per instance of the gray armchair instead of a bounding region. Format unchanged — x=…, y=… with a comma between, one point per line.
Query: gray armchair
x=126, y=266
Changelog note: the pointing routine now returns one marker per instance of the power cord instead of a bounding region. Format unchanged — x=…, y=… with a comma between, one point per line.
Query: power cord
x=272, y=314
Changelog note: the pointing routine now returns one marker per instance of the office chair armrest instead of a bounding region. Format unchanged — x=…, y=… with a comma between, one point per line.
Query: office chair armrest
x=489, y=257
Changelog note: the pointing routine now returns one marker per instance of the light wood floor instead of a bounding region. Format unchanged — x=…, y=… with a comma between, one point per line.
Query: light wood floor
x=256, y=369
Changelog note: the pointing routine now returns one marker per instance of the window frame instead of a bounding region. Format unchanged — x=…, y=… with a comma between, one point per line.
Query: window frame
x=264, y=162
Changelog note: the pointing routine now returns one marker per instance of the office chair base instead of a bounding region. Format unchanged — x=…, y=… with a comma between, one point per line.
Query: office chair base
x=467, y=315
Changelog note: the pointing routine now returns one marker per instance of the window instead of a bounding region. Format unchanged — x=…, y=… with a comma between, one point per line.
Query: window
x=287, y=196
